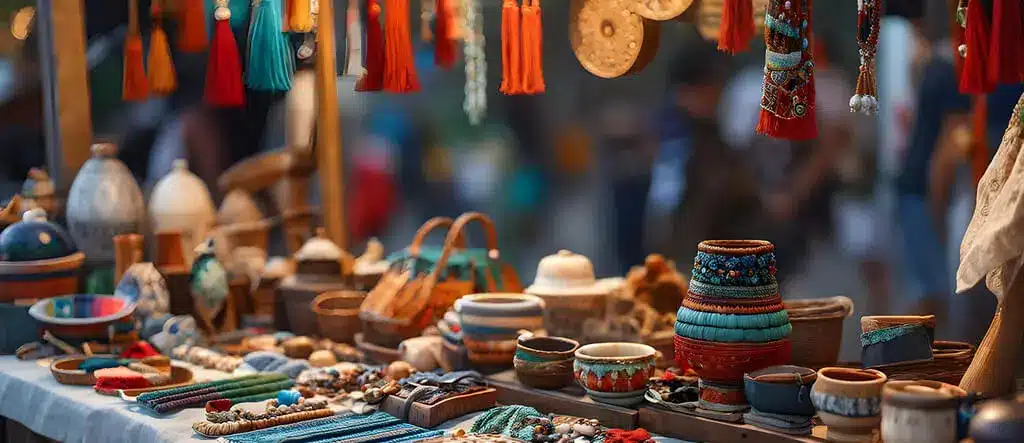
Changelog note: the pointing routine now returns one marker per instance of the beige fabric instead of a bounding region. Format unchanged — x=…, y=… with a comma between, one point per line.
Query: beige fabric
x=993, y=247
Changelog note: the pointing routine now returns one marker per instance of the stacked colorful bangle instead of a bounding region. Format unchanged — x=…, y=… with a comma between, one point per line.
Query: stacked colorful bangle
x=237, y=390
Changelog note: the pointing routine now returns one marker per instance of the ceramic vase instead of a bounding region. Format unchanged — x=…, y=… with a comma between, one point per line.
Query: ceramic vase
x=920, y=412
x=545, y=362
x=491, y=323
x=104, y=201
x=732, y=320
x=181, y=202
x=615, y=373
x=849, y=402
x=571, y=293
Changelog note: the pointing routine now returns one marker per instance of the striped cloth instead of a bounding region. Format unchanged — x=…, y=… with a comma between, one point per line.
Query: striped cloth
x=378, y=427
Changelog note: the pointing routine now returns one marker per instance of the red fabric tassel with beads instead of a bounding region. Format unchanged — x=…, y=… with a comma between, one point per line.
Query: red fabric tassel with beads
x=1006, y=60
x=787, y=103
x=444, y=46
x=224, y=67
x=737, y=26
x=511, y=50
x=399, y=62
x=373, y=78
x=978, y=37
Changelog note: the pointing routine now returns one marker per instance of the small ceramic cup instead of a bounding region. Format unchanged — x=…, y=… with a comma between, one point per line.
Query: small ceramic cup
x=615, y=373
x=544, y=362
x=920, y=411
x=491, y=323
x=781, y=390
x=849, y=402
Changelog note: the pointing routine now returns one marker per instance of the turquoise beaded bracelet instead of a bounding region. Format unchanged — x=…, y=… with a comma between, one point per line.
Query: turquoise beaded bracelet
x=726, y=335
x=719, y=291
x=732, y=321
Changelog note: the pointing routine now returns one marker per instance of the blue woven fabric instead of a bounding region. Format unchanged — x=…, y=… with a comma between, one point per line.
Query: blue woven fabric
x=378, y=427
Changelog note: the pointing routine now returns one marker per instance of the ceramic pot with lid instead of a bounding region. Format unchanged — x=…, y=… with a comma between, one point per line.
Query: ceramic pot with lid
x=38, y=259
x=920, y=411
x=181, y=202
x=849, y=402
x=104, y=201
x=571, y=293
x=318, y=269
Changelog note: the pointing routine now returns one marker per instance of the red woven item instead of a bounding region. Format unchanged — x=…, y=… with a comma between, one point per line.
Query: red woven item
x=373, y=78
x=511, y=51
x=639, y=435
x=399, y=62
x=224, y=69
x=973, y=78
x=444, y=46
x=1006, y=61
x=220, y=405
x=192, y=34
x=737, y=26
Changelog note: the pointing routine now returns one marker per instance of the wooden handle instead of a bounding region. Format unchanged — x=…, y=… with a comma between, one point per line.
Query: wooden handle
x=127, y=252
x=455, y=233
x=425, y=230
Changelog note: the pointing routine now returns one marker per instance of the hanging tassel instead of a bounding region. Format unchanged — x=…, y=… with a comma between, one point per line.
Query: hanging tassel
x=301, y=18
x=161, y=68
x=1006, y=62
x=787, y=103
x=511, y=52
x=737, y=26
x=271, y=62
x=533, y=49
x=869, y=19
x=192, y=34
x=224, y=66
x=399, y=65
x=974, y=79
x=444, y=46
x=134, y=85
x=373, y=79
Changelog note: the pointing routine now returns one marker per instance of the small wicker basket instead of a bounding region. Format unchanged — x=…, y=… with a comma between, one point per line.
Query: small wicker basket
x=817, y=330
x=949, y=363
x=337, y=314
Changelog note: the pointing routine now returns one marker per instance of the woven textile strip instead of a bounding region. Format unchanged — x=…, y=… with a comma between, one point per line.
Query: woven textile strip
x=378, y=427
x=157, y=396
x=258, y=392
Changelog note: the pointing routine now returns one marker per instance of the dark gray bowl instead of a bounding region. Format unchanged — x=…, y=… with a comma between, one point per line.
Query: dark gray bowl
x=786, y=395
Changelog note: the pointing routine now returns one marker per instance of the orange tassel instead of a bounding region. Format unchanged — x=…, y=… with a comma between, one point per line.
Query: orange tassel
x=301, y=19
x=511, y=51
x=533, y=49
x=161, y=68
x=399, y=63
x=192, y=35
x=134, y=86
x=737, y=26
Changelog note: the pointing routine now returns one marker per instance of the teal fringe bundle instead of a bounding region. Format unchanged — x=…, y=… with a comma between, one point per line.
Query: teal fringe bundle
x=889, y=334
x=271, y=61
x=732, y=321
x=239, y=14
x=726, y=335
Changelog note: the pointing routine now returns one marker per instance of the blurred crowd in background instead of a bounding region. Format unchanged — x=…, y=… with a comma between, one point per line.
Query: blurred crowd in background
x=616, y=169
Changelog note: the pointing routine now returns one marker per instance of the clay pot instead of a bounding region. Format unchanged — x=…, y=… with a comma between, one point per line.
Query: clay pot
x=38, y=259
x=920, y=411
x=337, y=314
x=104, y=201
x=491, y=323
x=544, y=362
x=615, y=373
x=849, y=402
x=317, y=270
x=570, y=291
x=781, y=390
x=180, y=201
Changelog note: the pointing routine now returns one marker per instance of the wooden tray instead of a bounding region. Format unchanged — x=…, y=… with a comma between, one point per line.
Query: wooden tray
x=572, y=401
x=428, y=416
x=692, y=428
x=66, y=371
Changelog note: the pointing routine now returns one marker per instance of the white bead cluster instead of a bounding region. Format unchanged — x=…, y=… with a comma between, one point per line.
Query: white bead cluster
x=864, y=104
x=475, y=104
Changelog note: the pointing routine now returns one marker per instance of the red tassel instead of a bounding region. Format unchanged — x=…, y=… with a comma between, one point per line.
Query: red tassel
x=973, y=79
x=399, y=63
x=511, y=50
x=373, y=79
x=444, y=46
x=533, y=49
x=737, y=26
x=224, y=69
x=192, y=35
x=1006, y=62
x=786, y=112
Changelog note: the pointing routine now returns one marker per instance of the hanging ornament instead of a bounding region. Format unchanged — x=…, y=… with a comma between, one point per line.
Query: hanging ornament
x=270, y=62
x=161, y=76
x=373, y=79
x=511, y=52
x=869, y=16
x=533, y=48
x=475, y=103
x=399, y=63
x=134, y=85
x=444, y=45
x=353, y=41
x=1006, y=63
x=660, y=10
x=223, y=65
x=787, y=103
x=737, y=26
x=301, y=16
x=192, y=33
x=608, y=40
x=973, y=78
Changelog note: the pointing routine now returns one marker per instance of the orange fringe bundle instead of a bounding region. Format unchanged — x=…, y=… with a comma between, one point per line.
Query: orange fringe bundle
x=533, y=49
x=300, y=19
x=737, y=26
x=161, y=69
x=134, y=85
x=192, y=35
x=399, y=63
x=511, y=52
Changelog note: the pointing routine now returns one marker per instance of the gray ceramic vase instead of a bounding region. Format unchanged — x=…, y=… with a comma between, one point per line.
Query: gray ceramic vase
x=104, y=201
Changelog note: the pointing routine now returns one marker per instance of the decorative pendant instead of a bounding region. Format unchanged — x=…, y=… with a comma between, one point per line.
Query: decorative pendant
x=869, y=14
x=787, y=103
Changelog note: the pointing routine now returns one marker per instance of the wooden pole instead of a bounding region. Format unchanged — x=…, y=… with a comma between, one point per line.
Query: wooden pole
x=328, y=128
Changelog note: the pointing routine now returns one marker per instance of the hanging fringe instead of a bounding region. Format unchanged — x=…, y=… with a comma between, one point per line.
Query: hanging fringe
x=301, y=16
x=511, y=51
x=373, y=79
x=399, y=65
x=737, y=26
x=224, y=65
x=1006, y=61
x=271, y=61
x=192, y=33
x=162, y=79
x=973, y=79
x=533, y=49
x=444, y=45
x=787, y=103
x=134, y=85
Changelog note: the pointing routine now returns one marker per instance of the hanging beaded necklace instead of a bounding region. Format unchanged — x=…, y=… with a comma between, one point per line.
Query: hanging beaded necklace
x=869, y=15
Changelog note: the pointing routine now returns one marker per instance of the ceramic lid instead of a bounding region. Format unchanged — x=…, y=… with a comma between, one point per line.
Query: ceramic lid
x=181, y=192
x=319, y=248
x=566, y=273
x=35, y=238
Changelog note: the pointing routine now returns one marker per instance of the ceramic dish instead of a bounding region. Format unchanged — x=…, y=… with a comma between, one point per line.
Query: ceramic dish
x=781, y=390
x=615, y=373
x=81, y=310
x=544, y=362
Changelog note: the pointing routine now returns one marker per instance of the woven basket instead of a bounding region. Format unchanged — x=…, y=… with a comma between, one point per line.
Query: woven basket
x=337, y=314
x=949, y=364
x=817, y=329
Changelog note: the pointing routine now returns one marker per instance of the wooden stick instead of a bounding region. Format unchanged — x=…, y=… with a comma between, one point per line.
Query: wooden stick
x=127, y=252
x=992, y=369
x=328, y=132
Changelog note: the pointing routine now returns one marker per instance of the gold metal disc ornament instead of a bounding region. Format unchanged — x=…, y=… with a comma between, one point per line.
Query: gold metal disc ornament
x=608, y=39
x=660, y=9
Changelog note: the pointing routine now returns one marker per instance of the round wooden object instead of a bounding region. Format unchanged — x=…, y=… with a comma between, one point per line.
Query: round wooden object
x=661, y=9
x=608, y=39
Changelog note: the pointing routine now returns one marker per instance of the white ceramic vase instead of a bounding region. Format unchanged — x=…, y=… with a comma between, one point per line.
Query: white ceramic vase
x=181, y=202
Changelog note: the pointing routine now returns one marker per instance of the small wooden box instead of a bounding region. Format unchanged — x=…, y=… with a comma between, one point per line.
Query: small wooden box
x=428, y=416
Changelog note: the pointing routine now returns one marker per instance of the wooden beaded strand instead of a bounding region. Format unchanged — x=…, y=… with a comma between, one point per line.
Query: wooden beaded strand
x=869, y=15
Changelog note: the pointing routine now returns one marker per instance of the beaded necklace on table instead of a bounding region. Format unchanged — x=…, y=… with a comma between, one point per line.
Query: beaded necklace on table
x=865, y=99
x=475, y=103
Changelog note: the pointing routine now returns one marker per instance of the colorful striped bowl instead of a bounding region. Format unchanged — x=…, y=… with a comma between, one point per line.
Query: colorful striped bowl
x=491, y=323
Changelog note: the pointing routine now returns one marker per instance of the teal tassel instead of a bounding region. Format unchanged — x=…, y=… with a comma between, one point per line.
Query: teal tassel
x=271, y=62
x=239, y=14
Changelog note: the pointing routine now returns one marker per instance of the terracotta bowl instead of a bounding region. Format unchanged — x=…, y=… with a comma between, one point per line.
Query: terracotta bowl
x=920, y=411
x=727, y=362
x=781, y=390
x=615, y=373
x=849, y=402
x=544, y=362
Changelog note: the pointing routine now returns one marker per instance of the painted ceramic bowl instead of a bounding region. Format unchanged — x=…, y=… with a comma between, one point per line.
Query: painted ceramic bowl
x=727, y=362
x=781, y=390
x=38, y=259
x=84, y=316
x=920, y=411
x=615, y=373
x=545, y=362
x=491, y=323
x=849, y=402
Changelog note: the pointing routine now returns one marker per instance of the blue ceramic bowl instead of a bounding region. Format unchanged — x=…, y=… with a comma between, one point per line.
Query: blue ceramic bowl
x=781, y=390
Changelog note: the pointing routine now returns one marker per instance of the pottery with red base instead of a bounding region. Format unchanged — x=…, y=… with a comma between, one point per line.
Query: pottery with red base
x=615, y=373
x=725, y=363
